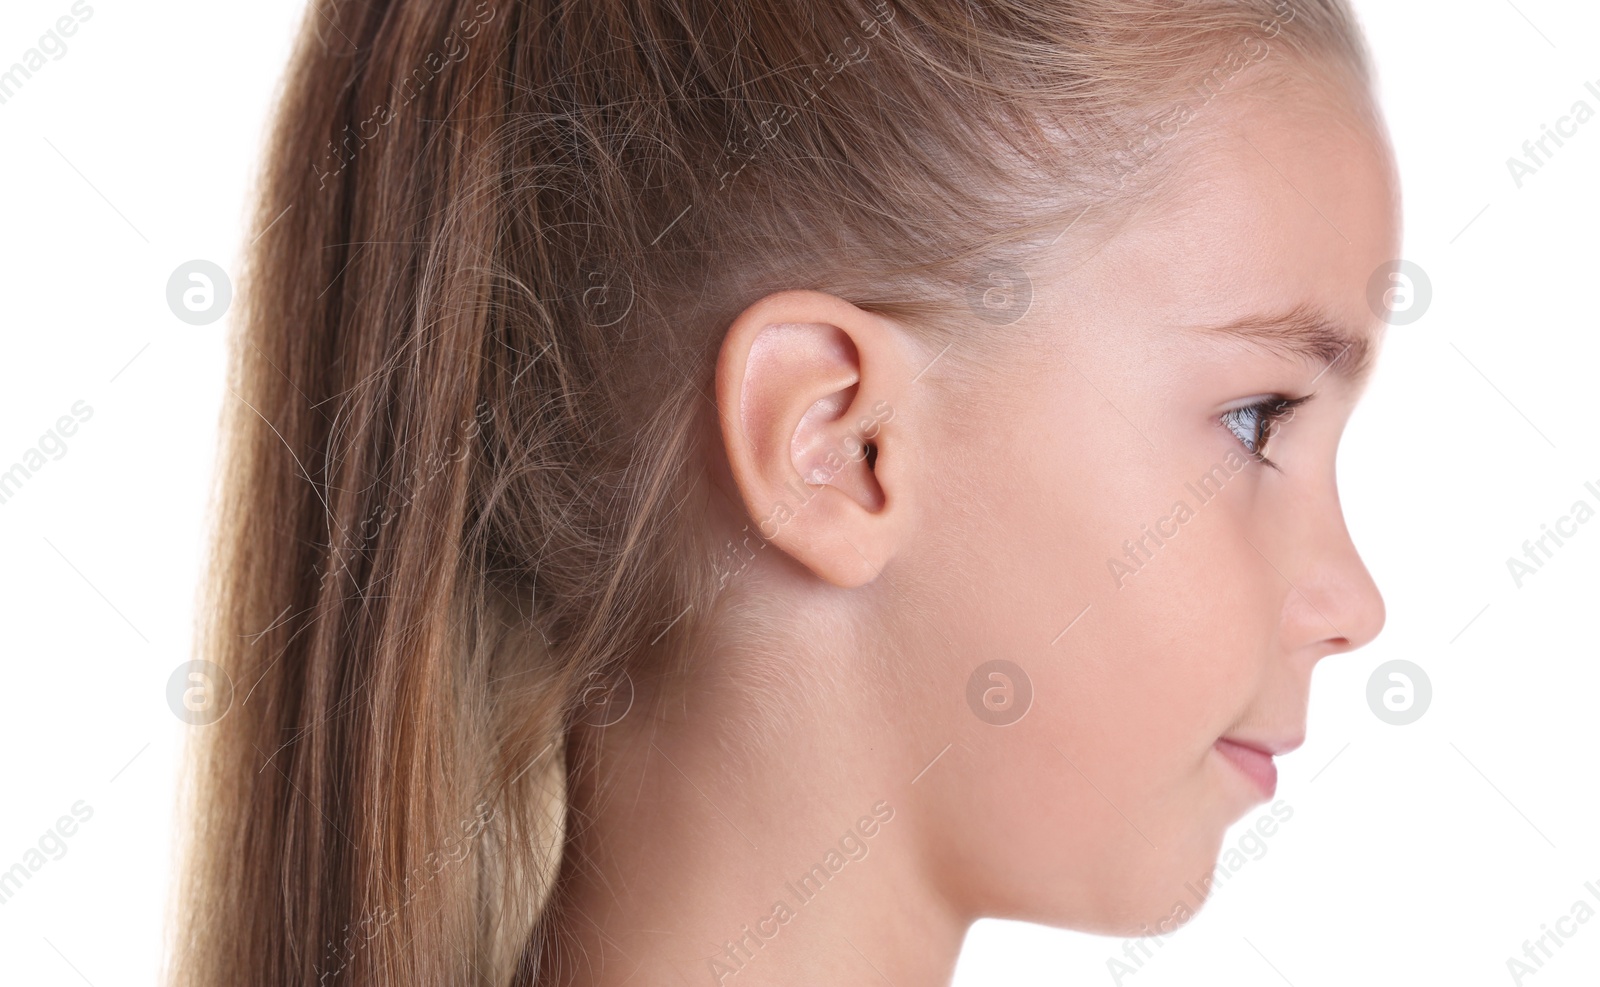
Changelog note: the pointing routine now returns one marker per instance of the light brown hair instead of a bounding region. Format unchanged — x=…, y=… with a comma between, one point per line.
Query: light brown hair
x=496, y=244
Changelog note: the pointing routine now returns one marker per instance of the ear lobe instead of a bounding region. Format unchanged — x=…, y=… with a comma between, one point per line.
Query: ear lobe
x=806, y=384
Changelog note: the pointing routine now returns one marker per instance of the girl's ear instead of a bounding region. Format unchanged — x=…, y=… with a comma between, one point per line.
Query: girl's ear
x=812, y=394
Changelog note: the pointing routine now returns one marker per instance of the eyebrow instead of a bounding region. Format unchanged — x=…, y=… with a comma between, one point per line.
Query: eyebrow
x=1309, y=334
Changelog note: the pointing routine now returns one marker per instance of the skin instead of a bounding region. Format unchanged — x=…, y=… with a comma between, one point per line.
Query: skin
x=981, y=532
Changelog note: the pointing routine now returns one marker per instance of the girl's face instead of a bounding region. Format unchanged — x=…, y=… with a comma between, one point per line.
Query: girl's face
x=1110, y=530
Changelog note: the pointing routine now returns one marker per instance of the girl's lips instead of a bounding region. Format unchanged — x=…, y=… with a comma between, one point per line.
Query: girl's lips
x=1256, y=765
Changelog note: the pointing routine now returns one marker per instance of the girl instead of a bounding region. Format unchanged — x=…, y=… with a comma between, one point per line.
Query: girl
x=732, y=493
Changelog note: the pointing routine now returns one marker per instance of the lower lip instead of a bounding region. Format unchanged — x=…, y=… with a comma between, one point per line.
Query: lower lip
x=1256, y=766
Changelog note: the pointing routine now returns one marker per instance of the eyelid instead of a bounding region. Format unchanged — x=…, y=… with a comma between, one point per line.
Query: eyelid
x=1265, y=398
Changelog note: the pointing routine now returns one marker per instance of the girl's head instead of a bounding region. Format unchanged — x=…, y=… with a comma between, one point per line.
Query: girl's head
x=783, y=410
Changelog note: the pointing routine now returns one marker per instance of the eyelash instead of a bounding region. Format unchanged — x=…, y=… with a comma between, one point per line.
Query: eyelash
x=1259, y=421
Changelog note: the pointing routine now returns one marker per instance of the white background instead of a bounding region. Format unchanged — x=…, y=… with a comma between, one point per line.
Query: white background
x=1419, y=854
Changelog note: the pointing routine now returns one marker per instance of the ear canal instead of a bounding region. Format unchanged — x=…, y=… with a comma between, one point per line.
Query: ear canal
x=872, y=456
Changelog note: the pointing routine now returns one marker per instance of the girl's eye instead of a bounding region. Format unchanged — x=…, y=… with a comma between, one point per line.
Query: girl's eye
x=1254, y=424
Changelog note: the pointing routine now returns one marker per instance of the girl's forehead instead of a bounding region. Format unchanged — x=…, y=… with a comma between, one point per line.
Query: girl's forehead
x=1280, y=213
